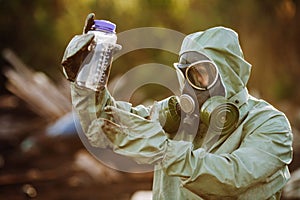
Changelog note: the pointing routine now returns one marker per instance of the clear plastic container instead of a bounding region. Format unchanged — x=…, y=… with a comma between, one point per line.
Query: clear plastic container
x=95, y=69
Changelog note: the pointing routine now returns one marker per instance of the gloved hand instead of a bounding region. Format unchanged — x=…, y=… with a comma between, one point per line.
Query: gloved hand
x=133, y=136
x=77, y=50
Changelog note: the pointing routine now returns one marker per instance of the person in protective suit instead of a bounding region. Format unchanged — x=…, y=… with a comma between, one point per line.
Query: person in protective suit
x=239, y=147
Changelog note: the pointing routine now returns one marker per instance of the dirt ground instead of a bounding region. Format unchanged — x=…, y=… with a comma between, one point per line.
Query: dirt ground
x=33, y=166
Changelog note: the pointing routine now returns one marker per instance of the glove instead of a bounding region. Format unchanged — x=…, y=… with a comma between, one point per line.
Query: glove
x=77, y=50
x=133, y=136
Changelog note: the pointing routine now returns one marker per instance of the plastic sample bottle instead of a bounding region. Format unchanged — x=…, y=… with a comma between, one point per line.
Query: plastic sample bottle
x=95, y=69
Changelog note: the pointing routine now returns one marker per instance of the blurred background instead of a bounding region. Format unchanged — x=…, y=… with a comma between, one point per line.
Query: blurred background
x=41, y=155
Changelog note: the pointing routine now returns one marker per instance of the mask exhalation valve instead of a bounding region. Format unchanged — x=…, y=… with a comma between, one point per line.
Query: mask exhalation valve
x=187, y=103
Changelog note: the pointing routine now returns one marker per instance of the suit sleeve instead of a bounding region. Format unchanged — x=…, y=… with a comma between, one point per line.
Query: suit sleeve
x=262, y=153
x=89, y=106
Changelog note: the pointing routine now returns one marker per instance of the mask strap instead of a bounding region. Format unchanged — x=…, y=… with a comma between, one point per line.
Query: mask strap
x=240, y=98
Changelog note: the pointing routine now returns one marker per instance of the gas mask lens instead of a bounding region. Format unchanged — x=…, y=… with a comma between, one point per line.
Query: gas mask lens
x=201, y=75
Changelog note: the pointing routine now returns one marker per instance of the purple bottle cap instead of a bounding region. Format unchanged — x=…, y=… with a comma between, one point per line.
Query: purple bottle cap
x=104, y=25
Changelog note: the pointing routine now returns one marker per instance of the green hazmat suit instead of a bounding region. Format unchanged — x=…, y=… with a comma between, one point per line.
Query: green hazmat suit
x=249, y=163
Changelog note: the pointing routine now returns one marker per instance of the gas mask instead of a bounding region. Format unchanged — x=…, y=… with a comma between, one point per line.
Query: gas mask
x=203, y=97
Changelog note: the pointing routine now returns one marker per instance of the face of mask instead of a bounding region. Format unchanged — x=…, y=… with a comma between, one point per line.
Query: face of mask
x=201, y=76
x=203, y=94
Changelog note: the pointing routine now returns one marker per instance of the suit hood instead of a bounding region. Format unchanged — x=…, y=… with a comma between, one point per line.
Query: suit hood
x=221, y=45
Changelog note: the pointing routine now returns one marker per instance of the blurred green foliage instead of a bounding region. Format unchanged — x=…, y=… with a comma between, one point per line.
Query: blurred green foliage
x=39, y=30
